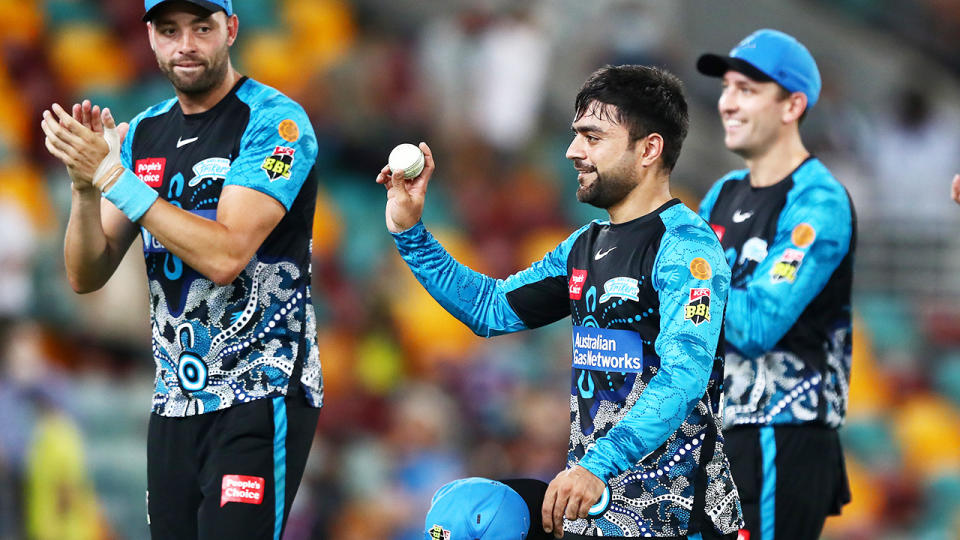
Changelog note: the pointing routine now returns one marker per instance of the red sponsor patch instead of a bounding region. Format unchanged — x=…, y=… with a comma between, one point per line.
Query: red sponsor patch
x=577, y=279
x=697, y=293
x=284, y=151
x=150, y=170
x=743, y=534
x=719, y=229
x=241, y=489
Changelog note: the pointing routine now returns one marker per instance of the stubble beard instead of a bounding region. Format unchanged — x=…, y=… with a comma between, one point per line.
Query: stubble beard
x=214, y=72
x=606, y=190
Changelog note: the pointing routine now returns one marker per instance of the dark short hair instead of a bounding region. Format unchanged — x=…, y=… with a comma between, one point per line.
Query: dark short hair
x=647, y=100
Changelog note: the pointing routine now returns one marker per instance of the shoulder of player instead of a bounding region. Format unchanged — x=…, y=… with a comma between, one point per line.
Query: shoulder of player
x=686, y=232
x=737, y=175
x=266, y=101
x=157, y=110
x=814, y=184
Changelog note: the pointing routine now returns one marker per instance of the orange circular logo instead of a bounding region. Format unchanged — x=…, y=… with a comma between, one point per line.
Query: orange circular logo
x=700, y=268
x=288, y=130
x=803, y=235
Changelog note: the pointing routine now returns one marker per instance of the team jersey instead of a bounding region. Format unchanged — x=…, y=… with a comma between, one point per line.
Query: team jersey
x=646, y=299
x=790, y=247
x=216, y=346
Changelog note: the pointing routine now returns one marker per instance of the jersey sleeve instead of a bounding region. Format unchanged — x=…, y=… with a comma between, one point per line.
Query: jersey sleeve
x=277, y=151
x=489, y=306
x=692, y=279
x=812, y=238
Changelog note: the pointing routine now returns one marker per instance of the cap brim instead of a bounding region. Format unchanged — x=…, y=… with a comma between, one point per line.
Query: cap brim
x=209, y=6
x=714, y=65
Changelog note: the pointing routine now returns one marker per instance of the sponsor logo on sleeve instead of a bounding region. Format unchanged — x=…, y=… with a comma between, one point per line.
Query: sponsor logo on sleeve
x=278, y=164
x=719, y=229
x=438, y=533
x=803, y=235
x=621, y=287
x=288, y=130
x=577, y=279
x=150, y=170
x=241, y=489
x=700, y=268
x=697, y=309
x=786, y=267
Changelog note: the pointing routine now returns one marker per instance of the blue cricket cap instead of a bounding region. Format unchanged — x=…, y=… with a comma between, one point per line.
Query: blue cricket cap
x=476, y=509
x=209, y=5
x=769, y=55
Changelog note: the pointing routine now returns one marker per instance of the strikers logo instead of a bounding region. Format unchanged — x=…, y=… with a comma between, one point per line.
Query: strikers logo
x=278, y=165
x=438, y=533
x=697, y=309
x=786, y=268
x=577, y=279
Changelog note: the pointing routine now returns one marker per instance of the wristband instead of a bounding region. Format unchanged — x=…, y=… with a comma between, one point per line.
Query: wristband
x=131, y=195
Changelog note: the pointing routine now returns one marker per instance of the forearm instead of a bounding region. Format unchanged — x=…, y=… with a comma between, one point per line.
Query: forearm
x=89, y=258
x=207, y=246
x=667, y=401
x=473, y=298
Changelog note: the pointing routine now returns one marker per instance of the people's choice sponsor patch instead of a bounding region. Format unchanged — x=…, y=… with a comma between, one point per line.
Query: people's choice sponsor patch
x=241, y=489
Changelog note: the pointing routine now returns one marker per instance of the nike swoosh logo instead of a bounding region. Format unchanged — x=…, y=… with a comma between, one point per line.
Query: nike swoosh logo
x=739, y=217
x=602, y=254
x=184, y=142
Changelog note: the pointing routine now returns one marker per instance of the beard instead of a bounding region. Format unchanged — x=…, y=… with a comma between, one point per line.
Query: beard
x=607, y=189
x=213, y=72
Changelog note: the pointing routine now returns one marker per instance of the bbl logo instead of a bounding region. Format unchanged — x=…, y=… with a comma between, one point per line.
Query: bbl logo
x=438, y=533
x=278, y=165
x=697, y=309
x=786, y=268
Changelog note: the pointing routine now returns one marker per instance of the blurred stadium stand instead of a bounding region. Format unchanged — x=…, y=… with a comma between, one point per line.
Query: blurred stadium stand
x=413, y=399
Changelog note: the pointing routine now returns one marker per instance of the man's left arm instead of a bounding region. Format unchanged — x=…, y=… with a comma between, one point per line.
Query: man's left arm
x=692, y=279
x=277, y=153
x=812, y=238
x=275, y=160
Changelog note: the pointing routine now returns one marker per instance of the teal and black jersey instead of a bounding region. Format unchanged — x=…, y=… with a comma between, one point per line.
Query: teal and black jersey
x=215, y=346
x=790, y=247
x=646, y=299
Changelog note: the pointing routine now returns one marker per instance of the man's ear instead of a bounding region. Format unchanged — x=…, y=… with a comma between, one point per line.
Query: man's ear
x=650, y=149
x=795, y=105
x=150, y=38
x=233, y=26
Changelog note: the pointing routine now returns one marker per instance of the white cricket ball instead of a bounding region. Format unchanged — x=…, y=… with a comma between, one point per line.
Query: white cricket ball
x=407, y=158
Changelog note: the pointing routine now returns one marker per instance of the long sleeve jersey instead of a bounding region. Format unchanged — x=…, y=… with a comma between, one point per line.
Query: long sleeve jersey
x=646, y=299
x=790, y=247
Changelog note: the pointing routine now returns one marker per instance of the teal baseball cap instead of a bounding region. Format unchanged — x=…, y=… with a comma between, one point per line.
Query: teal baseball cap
x=209, y=5
x=769, y=55
x=476, y=509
